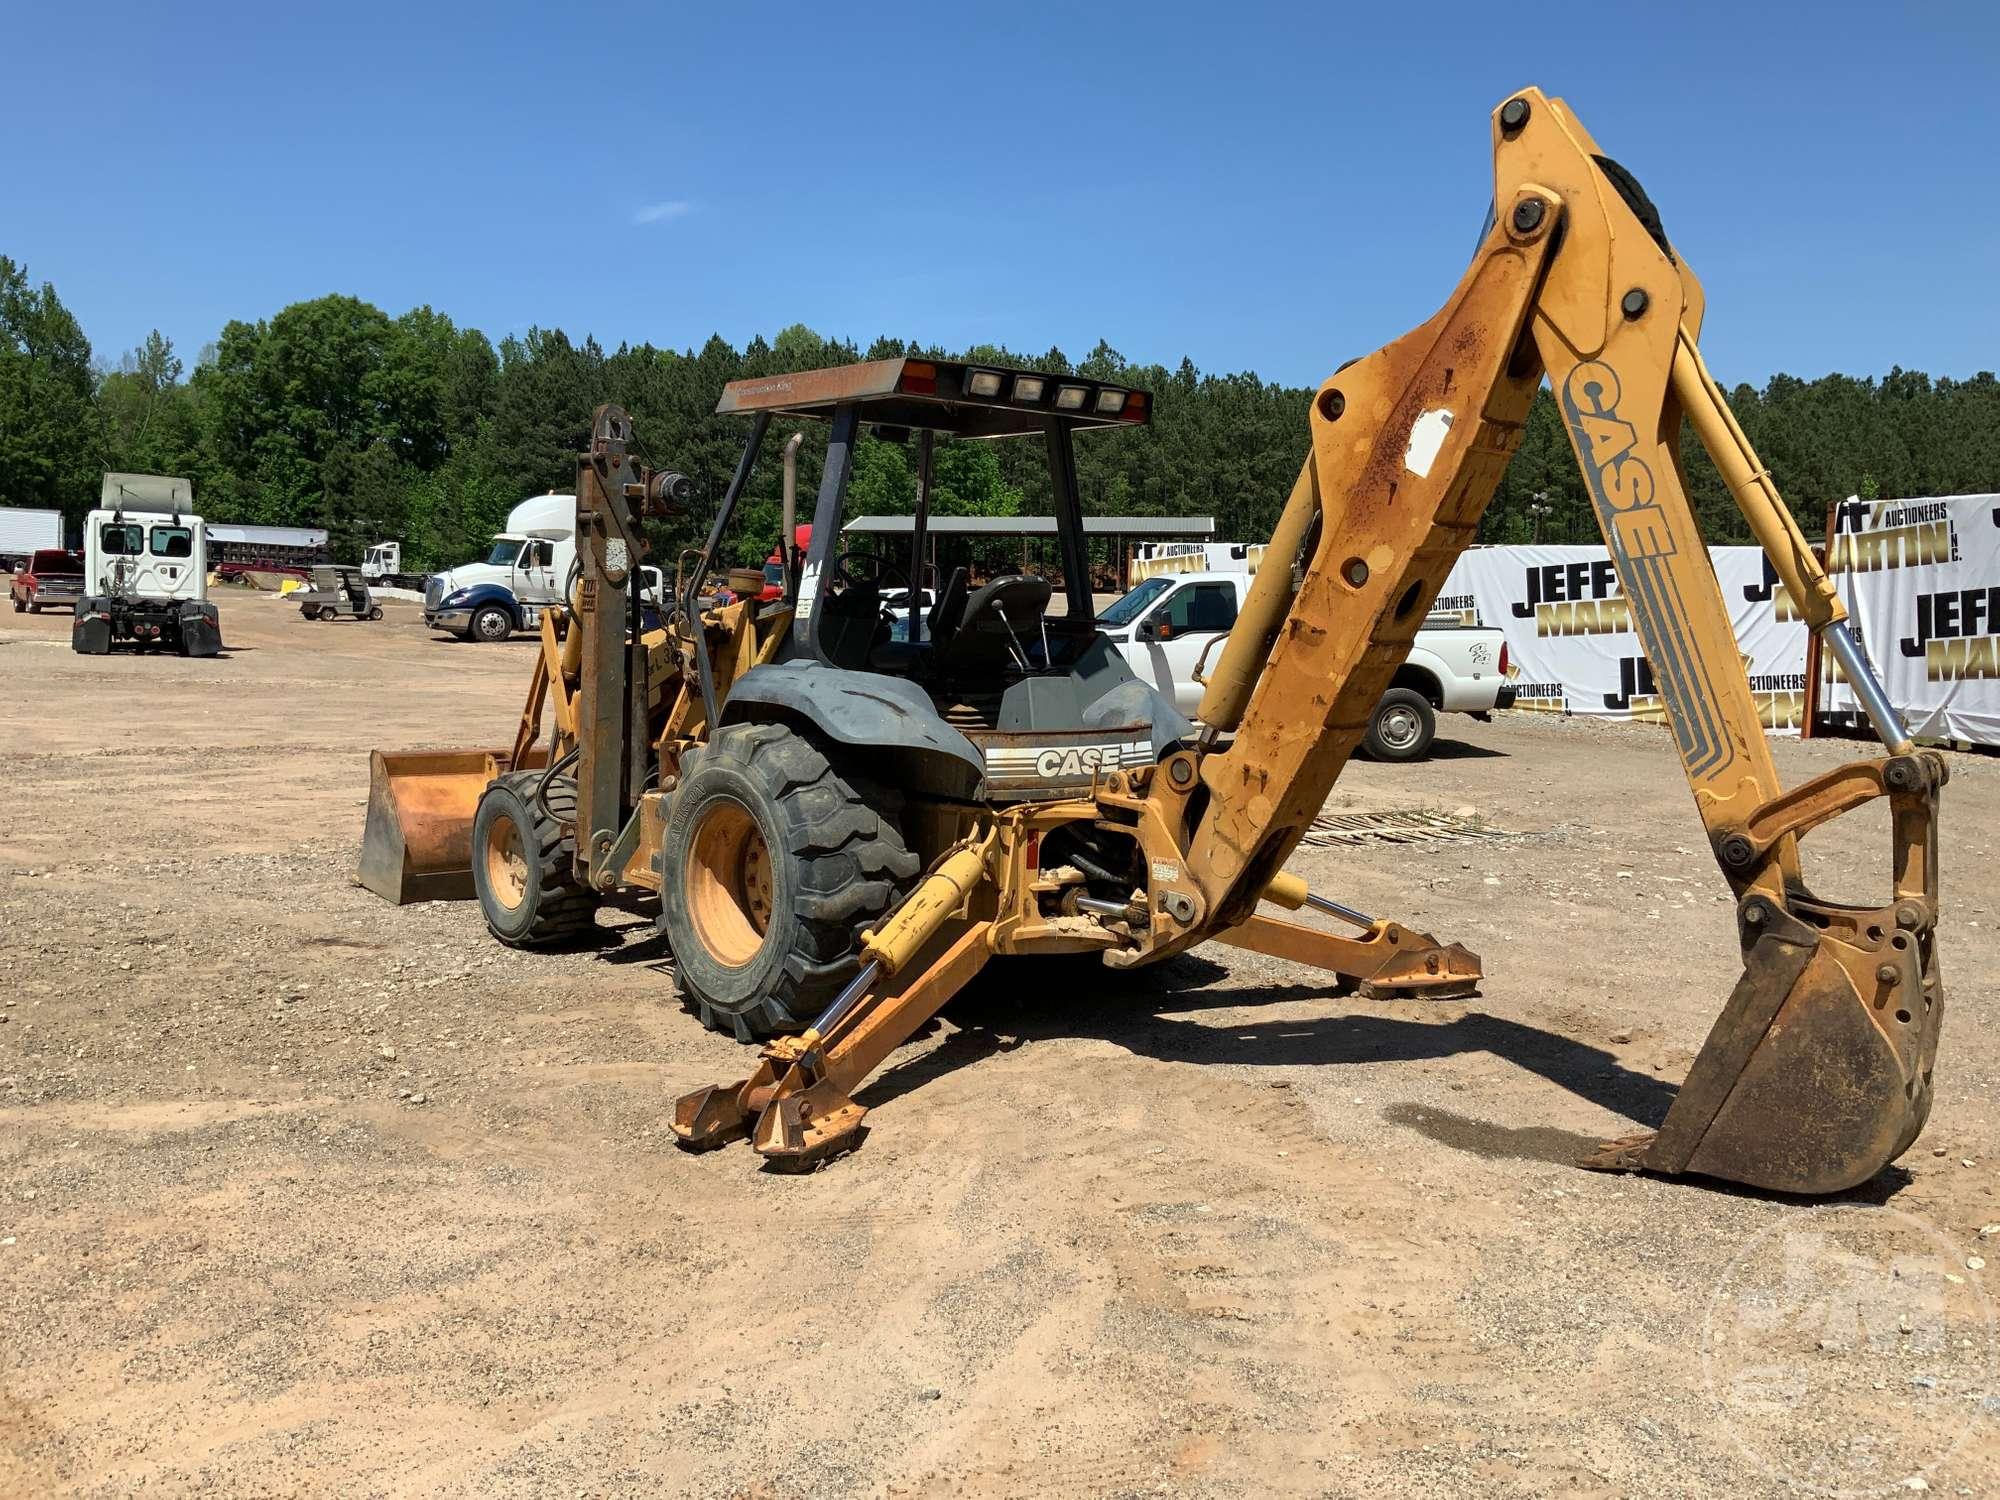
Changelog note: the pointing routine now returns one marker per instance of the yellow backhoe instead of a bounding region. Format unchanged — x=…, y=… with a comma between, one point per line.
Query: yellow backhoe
x=846, y=808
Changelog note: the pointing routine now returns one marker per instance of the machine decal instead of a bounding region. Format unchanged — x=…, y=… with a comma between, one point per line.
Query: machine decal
x=1427, y=435
x=1642, y=544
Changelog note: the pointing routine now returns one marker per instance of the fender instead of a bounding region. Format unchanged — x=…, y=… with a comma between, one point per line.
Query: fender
x=487, y=593
x=865, y=709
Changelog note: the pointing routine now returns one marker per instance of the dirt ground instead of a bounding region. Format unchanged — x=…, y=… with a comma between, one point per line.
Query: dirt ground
x=304, y=1194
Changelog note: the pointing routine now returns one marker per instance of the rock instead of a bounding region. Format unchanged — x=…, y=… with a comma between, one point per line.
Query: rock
x=930, y=1393
x=387, y=1054
x=418, y=1099
x=1975, y=1262
x=1621, y=1038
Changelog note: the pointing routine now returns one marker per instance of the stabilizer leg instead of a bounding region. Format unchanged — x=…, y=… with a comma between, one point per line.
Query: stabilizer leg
x=1390, y=963
x=796, y=1107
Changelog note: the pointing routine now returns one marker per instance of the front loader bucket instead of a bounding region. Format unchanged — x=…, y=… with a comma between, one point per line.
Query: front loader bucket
x=418, y=842
x=1817, y=1074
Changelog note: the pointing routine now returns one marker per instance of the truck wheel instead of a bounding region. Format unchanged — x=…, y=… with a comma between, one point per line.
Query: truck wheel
x=33, y=609
x=491, y=623
x=1402, y=727
x=771, y=865
x=522, y=869
x=18, y=605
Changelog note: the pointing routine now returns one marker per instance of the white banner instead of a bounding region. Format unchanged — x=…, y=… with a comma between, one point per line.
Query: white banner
x=1570, y=643
x=1921, y=579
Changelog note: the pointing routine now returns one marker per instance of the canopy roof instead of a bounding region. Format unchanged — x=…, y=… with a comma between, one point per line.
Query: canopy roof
x=938, y=395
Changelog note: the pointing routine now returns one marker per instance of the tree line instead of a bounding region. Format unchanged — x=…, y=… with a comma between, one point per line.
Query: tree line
x=331, y=413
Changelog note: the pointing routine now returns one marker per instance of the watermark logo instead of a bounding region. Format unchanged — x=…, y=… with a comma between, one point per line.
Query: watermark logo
x=1850, y=1350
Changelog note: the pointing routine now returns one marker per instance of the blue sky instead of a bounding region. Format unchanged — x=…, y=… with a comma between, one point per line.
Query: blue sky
x=1267, y=187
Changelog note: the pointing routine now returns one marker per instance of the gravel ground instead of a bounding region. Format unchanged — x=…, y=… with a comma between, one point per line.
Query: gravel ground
x=301, y=1193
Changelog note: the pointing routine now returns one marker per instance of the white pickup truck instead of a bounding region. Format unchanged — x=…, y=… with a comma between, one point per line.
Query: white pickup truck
x=1165, y=623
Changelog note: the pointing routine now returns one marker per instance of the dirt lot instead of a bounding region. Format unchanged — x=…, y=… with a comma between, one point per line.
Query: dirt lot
x=300, y=1193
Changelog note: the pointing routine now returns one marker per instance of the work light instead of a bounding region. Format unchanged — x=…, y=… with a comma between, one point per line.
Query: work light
x=1071, y=397
x=1110, y=403
x=983, y=382
x=1029, y=387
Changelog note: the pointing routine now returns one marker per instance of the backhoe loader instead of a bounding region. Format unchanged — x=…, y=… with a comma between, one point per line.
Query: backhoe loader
x=842, y=829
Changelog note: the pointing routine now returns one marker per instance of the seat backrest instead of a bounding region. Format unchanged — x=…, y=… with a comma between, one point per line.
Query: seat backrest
x=1001, y=616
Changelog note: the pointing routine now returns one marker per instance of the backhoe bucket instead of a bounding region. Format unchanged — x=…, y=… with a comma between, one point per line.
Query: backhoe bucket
x=1817, y=1074
x=418, y=842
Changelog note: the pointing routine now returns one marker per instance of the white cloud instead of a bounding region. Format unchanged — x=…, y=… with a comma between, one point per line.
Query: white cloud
x=659, y=213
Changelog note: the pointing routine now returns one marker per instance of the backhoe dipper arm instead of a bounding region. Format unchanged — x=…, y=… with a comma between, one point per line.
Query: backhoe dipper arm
x=1576, y=280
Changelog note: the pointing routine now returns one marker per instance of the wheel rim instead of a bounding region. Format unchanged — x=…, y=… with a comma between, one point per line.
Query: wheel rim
x=1401, y=728
x=506, y=862
x=492, y=625
x=729, y=884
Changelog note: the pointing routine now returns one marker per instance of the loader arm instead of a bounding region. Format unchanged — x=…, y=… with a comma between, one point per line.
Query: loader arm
x=1577, y=282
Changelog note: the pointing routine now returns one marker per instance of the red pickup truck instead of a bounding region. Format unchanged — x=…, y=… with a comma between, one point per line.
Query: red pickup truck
x=51, y=577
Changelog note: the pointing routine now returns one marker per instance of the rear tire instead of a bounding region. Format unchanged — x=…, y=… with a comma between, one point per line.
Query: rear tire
x=18, y=605
x=1402, y=726
x=772, y=863
x=523, y=868
x=328, y=613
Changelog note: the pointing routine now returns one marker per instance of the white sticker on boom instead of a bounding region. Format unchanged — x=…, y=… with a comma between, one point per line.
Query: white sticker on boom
x=1426, y=438
x=616, y=558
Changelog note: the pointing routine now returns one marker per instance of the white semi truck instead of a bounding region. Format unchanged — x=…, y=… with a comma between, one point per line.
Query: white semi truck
x=145, y=570
x=523, y=571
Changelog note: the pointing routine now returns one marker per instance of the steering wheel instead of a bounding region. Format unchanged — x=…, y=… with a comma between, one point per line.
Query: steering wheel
x=856, y=569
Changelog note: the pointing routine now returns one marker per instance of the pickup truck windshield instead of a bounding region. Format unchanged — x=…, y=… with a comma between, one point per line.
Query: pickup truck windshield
x=503, y=554
x=1124, y=611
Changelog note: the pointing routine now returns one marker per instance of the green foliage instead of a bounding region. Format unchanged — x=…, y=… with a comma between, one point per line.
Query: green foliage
x=333, y=413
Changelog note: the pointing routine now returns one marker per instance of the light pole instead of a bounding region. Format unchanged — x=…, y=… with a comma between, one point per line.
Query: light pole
x=1538, y=506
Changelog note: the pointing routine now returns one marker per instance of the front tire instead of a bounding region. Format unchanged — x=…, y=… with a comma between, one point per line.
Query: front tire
x=328, y=613
x=772, y=863
x=1402, y=726
x=523, y=867
x=490, y=623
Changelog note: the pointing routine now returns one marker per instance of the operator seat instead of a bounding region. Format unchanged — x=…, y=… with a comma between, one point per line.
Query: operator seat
x=1002, y=615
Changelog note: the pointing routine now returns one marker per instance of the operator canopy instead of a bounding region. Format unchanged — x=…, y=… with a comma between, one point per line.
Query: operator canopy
x=938, y=395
